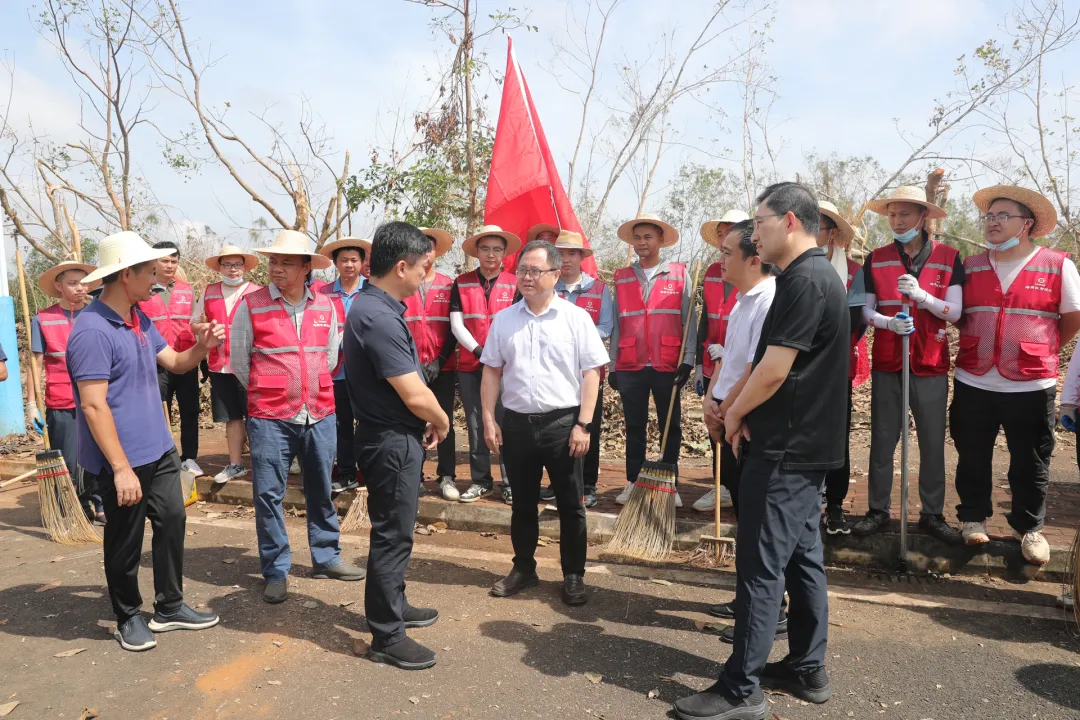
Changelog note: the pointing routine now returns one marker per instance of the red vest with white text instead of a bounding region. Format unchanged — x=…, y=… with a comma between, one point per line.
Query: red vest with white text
x=173, y=321
x=429, y=320
x=650, y=332
x=720, y=298
x=1017, y=331
x=214, y=309
x=478, y=311
x=55, y=324
x=859, y=365
x=592, y=301
x=327, y=290
x=289, y=372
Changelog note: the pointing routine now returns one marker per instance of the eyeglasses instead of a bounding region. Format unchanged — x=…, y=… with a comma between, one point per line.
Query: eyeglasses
x=999, y=218
x=759, y=218
x=231, y=266
x=531, y=273
x=484, y=250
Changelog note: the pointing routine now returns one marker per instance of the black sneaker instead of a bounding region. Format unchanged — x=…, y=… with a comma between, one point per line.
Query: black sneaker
x=419, y=617
x=547, y=494
x=715, y=703
x=835, y=523
x=590, y=497
x=514, y=583
x=813, y=687
x=507, y=495
x=406, y=654
x=725, y=611
x=134, y=635
x=276, y=591
x=873, y=522
x=727, y=635
x=936, y=526
x=183, y=619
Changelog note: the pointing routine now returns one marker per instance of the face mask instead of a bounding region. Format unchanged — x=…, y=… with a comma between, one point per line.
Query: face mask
x=232, y=282
x=1002, y=247
x=906, y=237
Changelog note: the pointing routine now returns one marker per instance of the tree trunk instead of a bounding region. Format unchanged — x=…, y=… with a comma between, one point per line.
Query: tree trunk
x=470, y=150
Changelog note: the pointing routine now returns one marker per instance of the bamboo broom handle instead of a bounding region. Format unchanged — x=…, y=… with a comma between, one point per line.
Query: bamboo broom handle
x=682, y=349
x=29, y=349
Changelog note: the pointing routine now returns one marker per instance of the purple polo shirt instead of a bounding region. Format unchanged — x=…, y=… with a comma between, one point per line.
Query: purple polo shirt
x=105, y=346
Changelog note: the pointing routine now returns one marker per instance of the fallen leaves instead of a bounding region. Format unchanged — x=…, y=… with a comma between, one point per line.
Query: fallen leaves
x=712, y=625
x=346, y=603
x=6, y=708
x=311, y=604
x=360, y=647
x=273, y=682
x=660, y=581
x=594, y=678
x=88, y=714
x=652, y=694
x=414, y=700
x=229, y=561
x=69, y=653
x=50, y=586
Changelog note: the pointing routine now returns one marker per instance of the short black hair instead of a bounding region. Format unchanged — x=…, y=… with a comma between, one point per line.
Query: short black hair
x=554, y=257
x=827, y=222
x=749, y=248
x=646, y=222
x=163, y=244
x=795, y=198
x=137, y=268
x=1025, y=211
x=360, y=250
x=394, y=242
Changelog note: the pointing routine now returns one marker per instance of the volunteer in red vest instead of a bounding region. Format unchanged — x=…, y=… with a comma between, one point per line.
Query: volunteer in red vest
x=1021, y=304
x=720, y=297
x=348, y=255
x=48, y=341
x=653, y=303
x=834, y=234
x=475, y=299
x=228, y=398
x=427, y=313
x=928, y=276
x=283, y=346
x=169, y=308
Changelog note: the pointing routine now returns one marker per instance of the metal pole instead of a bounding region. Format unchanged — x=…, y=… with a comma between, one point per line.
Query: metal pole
x=904, y=440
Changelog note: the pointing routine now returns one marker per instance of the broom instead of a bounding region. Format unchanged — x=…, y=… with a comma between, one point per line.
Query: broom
x=713, y=549
x=645, y=529
x=357, y=518
x=61, y=513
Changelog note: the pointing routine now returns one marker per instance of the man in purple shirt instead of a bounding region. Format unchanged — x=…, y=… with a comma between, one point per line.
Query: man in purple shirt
x=124, y=442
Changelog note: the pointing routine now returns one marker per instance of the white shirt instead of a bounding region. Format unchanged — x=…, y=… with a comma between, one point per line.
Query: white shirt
x=743, y=333
x=543, y=356
x=1070, y=302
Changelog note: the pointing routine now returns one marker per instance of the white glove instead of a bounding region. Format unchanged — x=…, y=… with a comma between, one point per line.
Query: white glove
x=908, y=285
x=716, y=352
x=901, y=324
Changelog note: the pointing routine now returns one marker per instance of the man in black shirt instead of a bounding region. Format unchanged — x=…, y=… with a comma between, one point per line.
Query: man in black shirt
x=398, y=418
x=787, y=427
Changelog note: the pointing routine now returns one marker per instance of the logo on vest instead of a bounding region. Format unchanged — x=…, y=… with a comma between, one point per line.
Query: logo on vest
x=505, y=295
x=668, y=289
x=588, y=305
x=1039, y=286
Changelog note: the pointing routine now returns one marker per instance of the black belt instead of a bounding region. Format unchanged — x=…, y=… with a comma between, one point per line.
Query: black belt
x=541, y=418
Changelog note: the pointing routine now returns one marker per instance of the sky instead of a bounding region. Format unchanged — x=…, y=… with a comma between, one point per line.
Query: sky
x=848, y=73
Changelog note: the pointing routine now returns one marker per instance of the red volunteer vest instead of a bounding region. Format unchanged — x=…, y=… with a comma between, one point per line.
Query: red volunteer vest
x=55, y=324
x=327, y=290
x=652, y=331
x=173, y=321
x=859, y=366
x=289, y=372
x=1017, y=331
x=478, y=311
x=929, y=347
x=720, y=298
x=592, y=302
x=214, y=309
x=429, y=320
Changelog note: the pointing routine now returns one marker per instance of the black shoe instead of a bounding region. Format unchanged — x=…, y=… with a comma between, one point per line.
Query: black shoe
x=875, y=521
x=507, y=495
x=183, y=619
x=727, y=635
x=725, y=611
x=573, y=590
x=590, y=498
x=812, y=687
x=547, y=494
x=406, y=654
x=340, y=570
x=715, y=703
x=835, y=523
x=935, y=525
x=276, y=591
x=134, y=635
x=514, y=583
x=419, y=617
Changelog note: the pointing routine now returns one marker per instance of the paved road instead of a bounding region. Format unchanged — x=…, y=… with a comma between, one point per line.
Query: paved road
x=945, y=650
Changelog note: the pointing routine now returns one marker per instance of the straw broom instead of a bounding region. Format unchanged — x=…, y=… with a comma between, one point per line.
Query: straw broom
x=357, y=518
x=713, y=549
x=645, y=529
x=61, y=513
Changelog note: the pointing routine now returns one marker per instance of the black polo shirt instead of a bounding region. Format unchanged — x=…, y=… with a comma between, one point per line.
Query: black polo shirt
x=378, y=345
x=802, y=425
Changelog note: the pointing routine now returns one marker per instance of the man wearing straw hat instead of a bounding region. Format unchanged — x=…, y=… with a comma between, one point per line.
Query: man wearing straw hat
x=427, y=313
x=348, y=255
x=125, y=446
x=49, y=334
x=228, y=398
x=1021, y=304
x=283, y=346
x=928, y=276
x=476, y=298
x=653, y=304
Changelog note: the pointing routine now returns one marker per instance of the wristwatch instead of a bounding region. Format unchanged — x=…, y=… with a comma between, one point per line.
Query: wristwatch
x=587, y=427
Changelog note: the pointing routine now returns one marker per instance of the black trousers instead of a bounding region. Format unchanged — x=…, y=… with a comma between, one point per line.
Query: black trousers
x=730, y=472
x=346, y=454
x=443, y=389
x=837, y=481
x=163, y=503
x=591, y=466
x=185, y=388
x=635, y=388
x=64, y=436
x=975, y=417
x=532, y=443
x=392, y=460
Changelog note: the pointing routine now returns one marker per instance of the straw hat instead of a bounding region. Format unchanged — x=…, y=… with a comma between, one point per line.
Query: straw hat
x=123, y=250
x=45, y=280
x=513, y=242
x=846, y=231
x=443, y=240
x=537, y=229
x=328, y=249
x=251, y=261
x=908, y=194
x=292, y=242
x=713, y=231
x=1044, y=210
x=626, y=230
x=570, y=240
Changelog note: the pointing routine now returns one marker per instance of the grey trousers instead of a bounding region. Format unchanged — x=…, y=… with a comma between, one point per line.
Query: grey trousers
x=479, y=455
x=928, y=398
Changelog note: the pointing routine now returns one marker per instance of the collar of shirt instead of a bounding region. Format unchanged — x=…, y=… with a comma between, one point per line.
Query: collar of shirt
x=799, y=260
x=584, y=283
x=761, y=287
x=914, y=264
x=663, y=267
x=100, y=308
x=395, y=305
x=339, y=289
x=275, y=294
x=553, y=306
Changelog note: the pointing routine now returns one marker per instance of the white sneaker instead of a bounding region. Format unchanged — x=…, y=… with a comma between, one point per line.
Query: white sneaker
x=678, y=500
x=192, y=467
x=449, y=489
x=706, y=502
x=231, y=472
x=725, y=497
x=1034, y=546
x=1065, y=600
x=624, y=496
x=974, y=533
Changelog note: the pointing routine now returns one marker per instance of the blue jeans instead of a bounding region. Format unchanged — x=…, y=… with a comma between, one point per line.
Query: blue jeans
x=274, y=443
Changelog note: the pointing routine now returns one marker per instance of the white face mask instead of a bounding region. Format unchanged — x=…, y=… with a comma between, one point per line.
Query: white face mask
x=1002, y=247
x=232, y=282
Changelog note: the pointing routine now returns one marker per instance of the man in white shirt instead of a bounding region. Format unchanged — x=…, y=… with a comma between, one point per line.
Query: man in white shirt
x=1021, y=304
x=549, y=354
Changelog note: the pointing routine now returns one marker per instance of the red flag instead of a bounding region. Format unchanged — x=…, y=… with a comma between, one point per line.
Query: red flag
x=524, y=188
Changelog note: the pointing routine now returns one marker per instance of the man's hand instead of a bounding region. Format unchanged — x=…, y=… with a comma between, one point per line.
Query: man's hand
x=211, y=335
x=431, y=371
x=716, y=352
x=36, y=420
x=714, y=418
x=908, y=285
x=699, y=381
x=478, y=351
x=493, y=436
x=579, y=442
x=902, y=324
x=431, y=437
x=128, y=487
x=735, y=431
x=613, y=381
x=683, y=374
